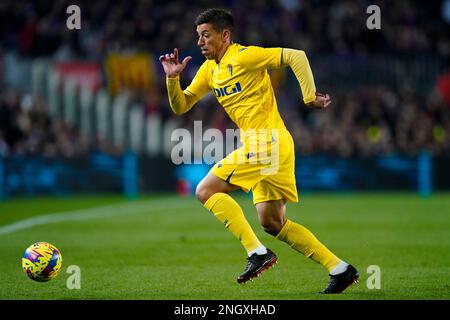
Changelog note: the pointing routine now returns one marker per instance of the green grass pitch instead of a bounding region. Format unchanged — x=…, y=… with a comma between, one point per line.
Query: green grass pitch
x=170, y=247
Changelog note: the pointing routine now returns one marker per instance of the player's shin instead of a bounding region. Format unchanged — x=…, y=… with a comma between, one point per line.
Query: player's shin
x=228, y=211
x=302, y=240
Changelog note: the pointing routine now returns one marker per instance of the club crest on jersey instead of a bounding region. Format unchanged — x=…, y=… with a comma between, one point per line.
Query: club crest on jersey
x=228, y=90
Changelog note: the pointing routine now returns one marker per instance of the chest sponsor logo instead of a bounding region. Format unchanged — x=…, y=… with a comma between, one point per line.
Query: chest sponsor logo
x=228, y=90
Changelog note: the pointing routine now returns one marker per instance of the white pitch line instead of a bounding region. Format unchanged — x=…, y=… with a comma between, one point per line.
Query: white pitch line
x=93, y=213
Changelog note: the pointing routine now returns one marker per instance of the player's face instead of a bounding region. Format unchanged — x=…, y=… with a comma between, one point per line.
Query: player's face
x=210, y=41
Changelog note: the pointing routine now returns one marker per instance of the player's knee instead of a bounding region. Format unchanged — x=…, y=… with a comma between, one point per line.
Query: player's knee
x=202, y=193
x=272, y=226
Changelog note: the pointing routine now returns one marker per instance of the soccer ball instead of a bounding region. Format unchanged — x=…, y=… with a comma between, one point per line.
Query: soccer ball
x=42, y=261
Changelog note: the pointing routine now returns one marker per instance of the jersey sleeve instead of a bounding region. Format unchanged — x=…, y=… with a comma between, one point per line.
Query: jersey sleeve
x=199, y=86
x=299, y=64
x=255, y=58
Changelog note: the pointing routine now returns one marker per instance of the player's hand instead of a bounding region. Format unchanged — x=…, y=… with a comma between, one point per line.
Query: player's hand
x=322, y=101
x=171, y=64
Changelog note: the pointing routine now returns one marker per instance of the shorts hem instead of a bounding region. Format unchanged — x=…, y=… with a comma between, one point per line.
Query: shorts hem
x=256, y=201
x=246, y=189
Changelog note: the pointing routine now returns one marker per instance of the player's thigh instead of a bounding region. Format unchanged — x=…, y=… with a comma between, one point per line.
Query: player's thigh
x=238, y=170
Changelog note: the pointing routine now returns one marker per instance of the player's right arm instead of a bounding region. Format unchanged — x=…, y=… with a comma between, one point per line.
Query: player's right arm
x=181, y=101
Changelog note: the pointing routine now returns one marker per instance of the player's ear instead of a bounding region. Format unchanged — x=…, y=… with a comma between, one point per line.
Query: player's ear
x=226, y=34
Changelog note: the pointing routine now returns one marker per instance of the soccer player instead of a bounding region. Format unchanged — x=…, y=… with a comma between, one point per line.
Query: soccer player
x=238, y=76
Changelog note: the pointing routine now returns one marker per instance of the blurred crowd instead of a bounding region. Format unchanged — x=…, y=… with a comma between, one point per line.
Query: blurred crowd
x=369, y=120
x=374, y=121
x=38, y=27
x=26, y=128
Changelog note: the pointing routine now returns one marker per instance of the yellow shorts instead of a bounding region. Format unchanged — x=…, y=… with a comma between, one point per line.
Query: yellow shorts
x=268, y=170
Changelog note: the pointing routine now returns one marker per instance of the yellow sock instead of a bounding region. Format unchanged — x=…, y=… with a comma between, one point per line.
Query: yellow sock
x=302, y=240
x=230, y=214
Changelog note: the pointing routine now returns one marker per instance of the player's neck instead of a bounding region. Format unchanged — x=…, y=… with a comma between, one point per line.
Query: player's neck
x=222, y=51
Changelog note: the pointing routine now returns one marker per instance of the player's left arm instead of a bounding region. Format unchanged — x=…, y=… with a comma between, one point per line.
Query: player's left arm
x=299, y=64
x=259, y=58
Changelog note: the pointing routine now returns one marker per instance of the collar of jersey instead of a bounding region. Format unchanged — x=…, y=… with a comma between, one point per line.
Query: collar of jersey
x=228, y=52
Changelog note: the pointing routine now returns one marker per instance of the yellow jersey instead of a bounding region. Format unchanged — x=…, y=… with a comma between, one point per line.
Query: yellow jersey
x=241, y=84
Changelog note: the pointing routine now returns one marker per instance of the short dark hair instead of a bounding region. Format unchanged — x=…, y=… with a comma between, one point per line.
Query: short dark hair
x=220, y=19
